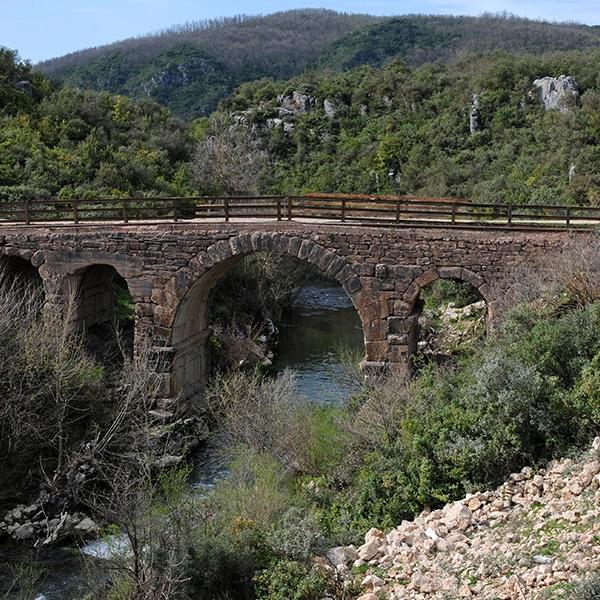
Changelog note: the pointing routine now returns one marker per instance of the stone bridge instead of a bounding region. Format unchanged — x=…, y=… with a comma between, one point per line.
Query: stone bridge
x=170, y=270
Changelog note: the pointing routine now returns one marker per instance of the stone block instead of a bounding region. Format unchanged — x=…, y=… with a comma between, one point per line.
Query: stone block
x=376, y=351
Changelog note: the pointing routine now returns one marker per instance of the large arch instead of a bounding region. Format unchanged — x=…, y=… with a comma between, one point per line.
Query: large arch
x=189, y=326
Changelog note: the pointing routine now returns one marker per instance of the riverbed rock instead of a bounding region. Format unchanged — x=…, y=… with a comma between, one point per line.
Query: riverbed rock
x=23, y=532
x=87, y=526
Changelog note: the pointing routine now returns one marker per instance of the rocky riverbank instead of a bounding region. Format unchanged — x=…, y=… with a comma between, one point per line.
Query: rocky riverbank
x=534, y=537
x=56, y=516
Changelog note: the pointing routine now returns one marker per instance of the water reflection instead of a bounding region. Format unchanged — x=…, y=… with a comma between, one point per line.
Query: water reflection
x=321, y=322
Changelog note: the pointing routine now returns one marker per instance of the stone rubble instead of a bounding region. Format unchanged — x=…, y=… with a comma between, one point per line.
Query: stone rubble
x=525, y=540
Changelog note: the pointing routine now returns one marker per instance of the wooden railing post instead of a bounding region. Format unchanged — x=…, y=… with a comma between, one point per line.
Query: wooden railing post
x=453, y=213
x=76, y=211
x=27, y=212
x=125, y=215
x=278, y=209
x=289, y=208
x=226, y=208
x=397, y=211
x=175, y=210
x=568, y=217
x=509, y=216
x=343, y=209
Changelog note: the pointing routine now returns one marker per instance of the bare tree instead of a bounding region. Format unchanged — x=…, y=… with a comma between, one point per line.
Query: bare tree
x=569, y=275
x=229, y=160
x=377, y=419
x=263, y=415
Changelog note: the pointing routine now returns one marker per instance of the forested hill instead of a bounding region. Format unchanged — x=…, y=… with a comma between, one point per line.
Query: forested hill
x=191, y=67
x=81, y=143
x=418, y=130
x=422, y=39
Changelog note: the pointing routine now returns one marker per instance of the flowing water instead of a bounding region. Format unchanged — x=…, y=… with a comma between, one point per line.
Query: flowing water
x=321, y=325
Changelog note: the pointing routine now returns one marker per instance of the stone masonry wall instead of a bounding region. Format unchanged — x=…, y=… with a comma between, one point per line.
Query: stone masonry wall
x=381, y=269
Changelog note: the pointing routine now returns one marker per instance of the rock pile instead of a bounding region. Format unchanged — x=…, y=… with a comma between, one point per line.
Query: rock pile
x=31, y=523
x=533, y=536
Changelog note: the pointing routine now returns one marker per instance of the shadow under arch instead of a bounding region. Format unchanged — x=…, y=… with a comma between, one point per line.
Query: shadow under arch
x=103, y=309
x=413, y=297
x=190, y=331
x=14, y=269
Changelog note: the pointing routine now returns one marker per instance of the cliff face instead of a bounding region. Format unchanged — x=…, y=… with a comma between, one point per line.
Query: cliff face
x=534, y=537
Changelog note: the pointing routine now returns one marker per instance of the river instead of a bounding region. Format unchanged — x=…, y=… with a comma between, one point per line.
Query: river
x=321, y=322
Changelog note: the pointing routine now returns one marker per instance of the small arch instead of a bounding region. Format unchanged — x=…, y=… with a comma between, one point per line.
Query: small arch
x=103, y=311
x=472, y=294
x=189, y=328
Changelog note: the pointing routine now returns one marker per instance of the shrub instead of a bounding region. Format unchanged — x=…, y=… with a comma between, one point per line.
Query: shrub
x=288, y=580
x=297, y=536
x=529, y=396
x=268, y=415
x=444, y=291
x=588, y=589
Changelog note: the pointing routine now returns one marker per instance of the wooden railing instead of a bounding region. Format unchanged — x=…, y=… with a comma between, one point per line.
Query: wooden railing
x=350, y=210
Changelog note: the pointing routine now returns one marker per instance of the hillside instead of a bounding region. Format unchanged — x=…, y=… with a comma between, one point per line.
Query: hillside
x=191, y=67
x=417, y=131
x=66, y=142
x=420, y=39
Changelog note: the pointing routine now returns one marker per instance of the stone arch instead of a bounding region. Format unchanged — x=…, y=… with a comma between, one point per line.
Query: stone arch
x=413, y=292
x=186, y=297
x=17, y=267
x=93, y=290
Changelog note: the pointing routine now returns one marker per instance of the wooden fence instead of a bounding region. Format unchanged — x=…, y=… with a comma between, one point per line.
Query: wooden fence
x=351, y=210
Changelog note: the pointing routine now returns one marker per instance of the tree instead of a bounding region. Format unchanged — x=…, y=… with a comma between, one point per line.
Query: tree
x=229, y=160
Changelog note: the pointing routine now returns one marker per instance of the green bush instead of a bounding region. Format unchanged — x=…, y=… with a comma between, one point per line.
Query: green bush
x=288, y=580
x=443, y=291
x=530, y=395
x=297, y=536
x=588, y=589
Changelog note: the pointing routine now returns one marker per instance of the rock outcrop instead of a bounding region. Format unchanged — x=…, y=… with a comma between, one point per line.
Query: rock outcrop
x=296, y=103
x=557, y=93
x=525, y=540
x=475, y=122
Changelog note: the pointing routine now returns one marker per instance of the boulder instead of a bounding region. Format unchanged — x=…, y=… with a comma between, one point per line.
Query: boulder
x=342, y=556
x=296, y=103
x=23, y=532
x=87, y=526
x=458, y=517
x=369, y=550
x=556, y=93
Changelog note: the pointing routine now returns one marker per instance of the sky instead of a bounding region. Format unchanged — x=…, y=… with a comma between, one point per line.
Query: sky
x=41, y=29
